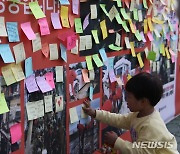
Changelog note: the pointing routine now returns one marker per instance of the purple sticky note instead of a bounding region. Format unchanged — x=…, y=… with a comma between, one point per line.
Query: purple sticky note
x=50, y=79
x=31, y=84
x=143, y=37
x=44, y=28
x=27, y=29
x=43, y=84
x=56, y=21
x=112, y=76
x=16, y=133
x=86, y=22
x=75, y=7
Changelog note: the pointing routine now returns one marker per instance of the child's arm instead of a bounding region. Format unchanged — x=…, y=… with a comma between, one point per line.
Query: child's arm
x=113, y=119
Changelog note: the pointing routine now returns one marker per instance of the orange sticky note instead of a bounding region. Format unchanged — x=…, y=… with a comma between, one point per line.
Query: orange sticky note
x=45, y=49
x=132, y=49
x=85, y=75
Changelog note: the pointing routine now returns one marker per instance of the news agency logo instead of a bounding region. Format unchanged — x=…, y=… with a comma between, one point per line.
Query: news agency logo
x=152, y=145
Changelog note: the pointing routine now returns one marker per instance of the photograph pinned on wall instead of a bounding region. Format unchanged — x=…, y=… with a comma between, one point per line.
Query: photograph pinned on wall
x=84, y=132
x=45, y=129
x=114, y=91
x=10, y=122
x=78, y=87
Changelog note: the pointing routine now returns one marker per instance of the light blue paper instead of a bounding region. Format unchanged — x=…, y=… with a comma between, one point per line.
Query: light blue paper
x=64, y=2
x=12, y=30
x=63, y=52
x=6, y=53
x=103, y=54
x=28, y=67
x=91, y=92
x=111, y=65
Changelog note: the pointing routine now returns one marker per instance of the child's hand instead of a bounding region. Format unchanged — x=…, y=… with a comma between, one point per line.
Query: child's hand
x=88, y=110
x=110, y=138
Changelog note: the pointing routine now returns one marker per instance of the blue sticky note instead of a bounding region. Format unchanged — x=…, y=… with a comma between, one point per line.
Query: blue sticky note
x=12, y=30
x=103, y=54
x=111, y=61
x=91, y=92
x=63, y=52
x=28, y=67
x=64, y=2
x=6, y=53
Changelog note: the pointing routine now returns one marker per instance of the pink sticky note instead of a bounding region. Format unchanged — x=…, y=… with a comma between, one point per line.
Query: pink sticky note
x=31, y=84
x=85, y=75
x=43, y=84
x=173, y=55
x=86, y=22
x=45, y=49
x=71, y=42
x=56, y=21
x=75, y=6
x=50, y=79
x=44, y=28
x=27, y=29
x=112, y=76
x=150, y=36
x=16, y=133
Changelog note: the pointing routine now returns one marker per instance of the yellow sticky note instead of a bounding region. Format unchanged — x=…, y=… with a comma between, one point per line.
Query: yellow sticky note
x=162, y=49
x=129, y=77
x=132, y=49
x=167, y=53
x=132, y=26
x=89, y=62
x=73, y=115
x=18, y=72
x=8, y=75
x=98, y=61
x=78, y=25
x=157, y=21
x=36, y=10
x=64, y=16
x=3, y=104
x=95, y=36
x=145, y=26
x=141, y=64
x=103, y=29
x=151, y=28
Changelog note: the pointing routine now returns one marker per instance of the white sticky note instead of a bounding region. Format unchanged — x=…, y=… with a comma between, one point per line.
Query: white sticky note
x=88, y=42
x=3, y=31
x=54, y=55
x=128, y=46
x=118, y=39
x=19, y=52
x=36, y=43
x=75, y=49
x=59, y=103
x=59, y=73
x=93, y=11
x=82, y=43
x=73, y=115
x=48, y=103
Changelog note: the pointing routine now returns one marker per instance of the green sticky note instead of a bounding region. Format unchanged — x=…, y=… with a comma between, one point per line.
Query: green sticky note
x=124, y=14
x=119, y=4
x=104, y=9
x=36, y=10
x=138, y=35
x=118, y=18
x=97, y=60
x=125, y=26
x=89, y=62
x=145, y=4
x=95, y=35
x=135, y=14
x=78, y=25
x=151, y=55
x=3, y=105
x=113, y=47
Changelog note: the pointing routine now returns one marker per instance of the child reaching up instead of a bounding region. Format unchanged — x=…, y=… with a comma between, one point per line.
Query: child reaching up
x=148, y=131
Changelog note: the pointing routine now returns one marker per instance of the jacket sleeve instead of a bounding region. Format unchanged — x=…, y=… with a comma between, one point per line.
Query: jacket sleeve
x=113, y=119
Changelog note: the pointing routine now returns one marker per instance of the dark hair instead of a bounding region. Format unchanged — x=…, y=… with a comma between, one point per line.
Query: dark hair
x=145, y=85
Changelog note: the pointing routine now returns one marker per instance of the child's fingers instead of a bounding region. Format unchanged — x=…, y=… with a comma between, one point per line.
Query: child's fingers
x=86, y=103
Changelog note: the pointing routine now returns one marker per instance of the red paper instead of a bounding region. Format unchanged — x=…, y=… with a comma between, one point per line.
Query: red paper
x=16, y=133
